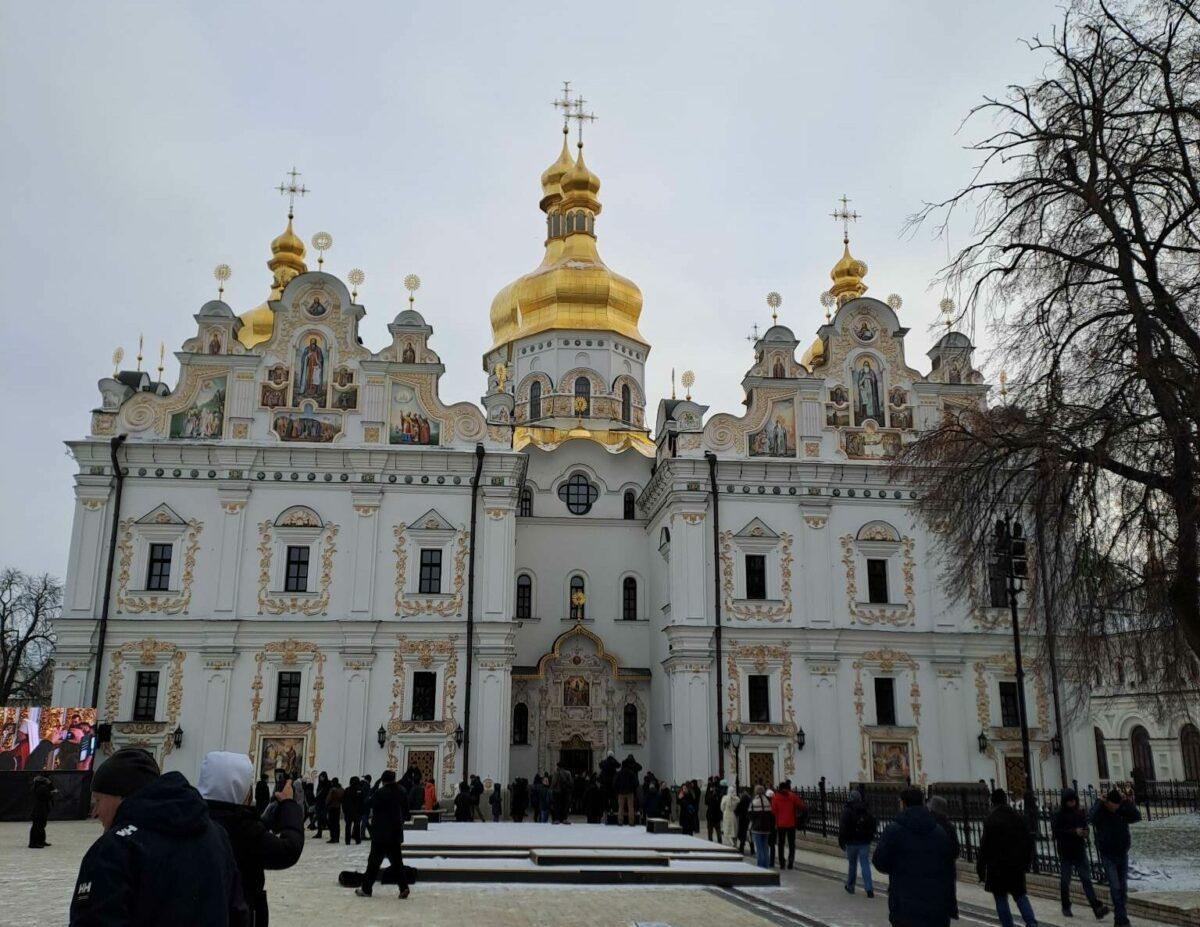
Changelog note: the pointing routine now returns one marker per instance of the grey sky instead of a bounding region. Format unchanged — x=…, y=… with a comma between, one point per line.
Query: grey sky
x=142, y=142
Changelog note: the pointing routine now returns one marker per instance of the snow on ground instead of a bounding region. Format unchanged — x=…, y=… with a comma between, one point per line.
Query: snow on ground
x=1165, y=856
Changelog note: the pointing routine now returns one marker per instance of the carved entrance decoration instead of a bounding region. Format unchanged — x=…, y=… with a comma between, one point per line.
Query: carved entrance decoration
x=442, y=655
x=762, y=658
x=423, y=760
x=577, y=697
x=762, y=769
x=884, y=750
x=288, y=653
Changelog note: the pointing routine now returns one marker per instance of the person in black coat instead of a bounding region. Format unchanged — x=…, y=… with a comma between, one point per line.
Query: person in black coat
x=608, y=775
x=389, y=811
x=272, y=840
x=1110, y=818
x=741, y=811
x=262, y=794
x=856, y=830
x=41, y=798
x=352, y=802
x=1005, y=851
x=463, y=803
x=625, y=784
x=161, y=859
x=319, y=803
x=1070, y=829
x=940, y=809
x=917, y=856
x=519, y=797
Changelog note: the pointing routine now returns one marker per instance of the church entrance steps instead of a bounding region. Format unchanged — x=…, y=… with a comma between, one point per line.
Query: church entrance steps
x=557, y=857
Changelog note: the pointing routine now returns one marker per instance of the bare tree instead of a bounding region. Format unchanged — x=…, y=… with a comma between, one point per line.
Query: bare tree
x=1085, y=261
x=28, y=606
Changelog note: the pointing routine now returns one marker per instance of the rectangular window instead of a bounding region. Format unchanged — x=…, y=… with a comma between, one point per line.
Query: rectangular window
x=296, y=578
x=524, y=598
x=877, y=588
x=431, y=571
x=423, y=699
x=158, y=575
x=1010, y=706
x=287, y=697
x=997, y=586
x=885, y=701
x=760, y=699
x=756, y=576
x=145, y=699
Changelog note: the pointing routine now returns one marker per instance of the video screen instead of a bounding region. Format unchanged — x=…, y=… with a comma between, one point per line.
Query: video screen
x=44, y=739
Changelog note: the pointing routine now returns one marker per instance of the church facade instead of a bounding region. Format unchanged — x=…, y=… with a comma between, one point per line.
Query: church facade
x=320, y=563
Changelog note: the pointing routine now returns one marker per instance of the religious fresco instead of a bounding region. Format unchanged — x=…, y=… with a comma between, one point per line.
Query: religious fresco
x=345, y=393
x=306, y=425
x=274, y=391
x=312, y=370
x=317, y=307
x=205, y=417
x=871, y=444
x=409, y=423
x=868, y=392
x=409, y=354
x=889, y=761
x=214, y=343
x=837, y=409
x=777, y=438
x=281, y=755
x=576, y=693
x=864, y=329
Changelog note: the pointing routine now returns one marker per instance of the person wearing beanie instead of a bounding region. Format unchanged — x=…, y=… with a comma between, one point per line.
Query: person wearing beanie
x=918, y=858
x=161, y=859
x=1110, y=819
x=1005, y=851
x=1070, y=828
x=389, y=811
x=271, y=841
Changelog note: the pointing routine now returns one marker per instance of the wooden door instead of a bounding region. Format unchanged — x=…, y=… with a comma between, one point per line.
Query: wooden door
x=423, y=760
x=1014, y=774
x=762, y=769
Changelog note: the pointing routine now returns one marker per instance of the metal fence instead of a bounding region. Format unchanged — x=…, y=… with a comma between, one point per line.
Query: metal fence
x=969, y=805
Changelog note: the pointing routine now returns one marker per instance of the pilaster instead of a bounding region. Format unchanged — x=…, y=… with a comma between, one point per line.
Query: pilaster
x=233, y=498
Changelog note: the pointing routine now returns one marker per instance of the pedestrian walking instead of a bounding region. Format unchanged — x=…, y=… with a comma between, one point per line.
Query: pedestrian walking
x=262, y=794
x=430, y=796
x=333, y=810
x=762, y=822
x=742, y=812
x=609, y=766
x=42, y=792
x=496, y=802
x=564, y=782
x=1005, y=851
x=545, y=796
x=416, y=793
x=310, y=804
x=940, y=810
x=518, y=799
x=689, y=807
x=367, y=792
x=856, y=830
x=712, y=809
x=788, y=807
x=389, y=811
x=321, y=794
x=626, y=783
x=917, y=856
x=272, y=839
x=476, y=789
x=1110, y=819
x=1069, y=826
x=161, y=858
x=463, y=803
x=352, y=810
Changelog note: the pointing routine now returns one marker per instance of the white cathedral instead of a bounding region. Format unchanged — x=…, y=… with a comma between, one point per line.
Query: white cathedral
x=313, y=559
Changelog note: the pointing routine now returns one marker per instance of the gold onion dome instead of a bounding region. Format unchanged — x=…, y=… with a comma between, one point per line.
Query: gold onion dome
x=847, y=276
x=287, y=262
x=572, y=289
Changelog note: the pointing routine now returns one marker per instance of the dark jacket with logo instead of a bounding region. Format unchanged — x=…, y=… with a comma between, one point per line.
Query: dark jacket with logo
x=256, y=848
x=918, y=857
x=1112, y=828
x=163, y=861
x=1005, y=851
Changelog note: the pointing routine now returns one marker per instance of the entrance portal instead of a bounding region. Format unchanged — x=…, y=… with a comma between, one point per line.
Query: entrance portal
x=576, y=756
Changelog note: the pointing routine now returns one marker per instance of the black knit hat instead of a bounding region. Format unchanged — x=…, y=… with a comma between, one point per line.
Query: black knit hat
x=125, y=772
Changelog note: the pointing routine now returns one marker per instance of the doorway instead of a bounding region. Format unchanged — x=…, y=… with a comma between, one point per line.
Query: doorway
x=1014, y=774
x=576, y=756
x=762, y=769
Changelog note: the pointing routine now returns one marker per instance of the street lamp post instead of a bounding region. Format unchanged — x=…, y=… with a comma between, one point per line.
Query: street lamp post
x=1011, y=555
x=733, y=742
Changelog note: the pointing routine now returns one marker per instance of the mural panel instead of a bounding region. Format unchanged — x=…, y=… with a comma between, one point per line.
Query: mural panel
x=409, y=423
x=778, y=435
x=889, y=761
x=312, y=370
x=205, y=417
x=317, y=427
x=867, y=393
x=281, y=754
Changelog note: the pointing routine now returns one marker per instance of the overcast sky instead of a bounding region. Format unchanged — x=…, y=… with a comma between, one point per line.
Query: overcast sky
x=142, y=142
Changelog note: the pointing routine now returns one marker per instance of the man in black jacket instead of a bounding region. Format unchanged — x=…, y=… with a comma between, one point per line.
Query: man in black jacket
x=273, y=841
x=389, y=810
x=918, y=856
x=1069, y=826
x=42, y=798
x=1005, y=850
x=856, y=830
x=1111, y=817
x=161, y=859
x=626, y=785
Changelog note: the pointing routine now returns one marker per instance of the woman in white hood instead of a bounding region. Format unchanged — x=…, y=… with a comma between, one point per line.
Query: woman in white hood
x=227, y=784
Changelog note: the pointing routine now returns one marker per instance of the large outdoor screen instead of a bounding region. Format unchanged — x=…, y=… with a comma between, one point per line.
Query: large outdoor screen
x=43, y=739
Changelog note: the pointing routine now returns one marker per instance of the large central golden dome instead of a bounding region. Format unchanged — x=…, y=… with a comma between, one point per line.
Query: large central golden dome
x=572, y=288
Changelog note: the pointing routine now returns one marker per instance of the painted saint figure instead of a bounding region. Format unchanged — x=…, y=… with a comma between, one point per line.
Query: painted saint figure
x=866, y=394
x=311, y=374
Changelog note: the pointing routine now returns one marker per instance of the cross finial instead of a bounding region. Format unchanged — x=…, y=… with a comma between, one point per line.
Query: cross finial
x=292, y=188
x=580, y=117
x=753, y=336
x=565, y=103
x=845, y=216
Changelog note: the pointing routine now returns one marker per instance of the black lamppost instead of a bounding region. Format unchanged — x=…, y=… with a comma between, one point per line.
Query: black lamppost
x=1011, y=556
x=733, y=741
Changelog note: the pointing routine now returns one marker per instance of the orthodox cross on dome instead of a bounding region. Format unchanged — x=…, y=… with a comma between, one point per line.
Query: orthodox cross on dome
x=753, y=336
x=292, y=188
x=580, y=117
x=845, y=216
x=565, y=103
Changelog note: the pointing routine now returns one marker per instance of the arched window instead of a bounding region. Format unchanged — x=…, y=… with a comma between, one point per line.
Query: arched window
x=583, y=390
x=578, y=494
x=626, y=403
x=629, y=599
x=1143, y=757
x=578, y=599
x=520, y=733
x=524, y=597
x=630, y=725
x=1101, y=754
x=630, y=503
x=535, y=399
x=525, y=503
x=1189, y=746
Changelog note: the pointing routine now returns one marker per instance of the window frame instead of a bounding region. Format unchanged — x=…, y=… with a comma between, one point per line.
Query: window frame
x=428, y=689
x=520, y=733
x=525, y=503
x=583, y=389
x=157, y=578
x=629, y=505
x=145, y=697
x=535, y=400
x=758, y=698
x=759, y=575
x=630, y=714
x=629, y=598
x=626, y=404
x=578, y=493
x=291, y=581
x=872, y=579
x=1008, y=699
x=885, y=701
x=289, y=687
x=429, y=571
x=577, y=613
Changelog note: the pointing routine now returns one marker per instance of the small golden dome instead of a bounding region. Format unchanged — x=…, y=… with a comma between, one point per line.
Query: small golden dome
x=551, y=190
x=847, y=276
x=580, y=186
x=286, y=263
x=814, y=356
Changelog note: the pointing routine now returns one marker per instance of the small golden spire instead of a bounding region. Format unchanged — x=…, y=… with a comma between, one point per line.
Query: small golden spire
x=754, y=335
x=412, y=283
x=774, y=300
x=221, y=273
x=847, y=273
x=947, y=309
x=118, y=355
x=356, y=278
x=322, y=241
x=139, y=354
x=688, y=380
x=162, y=353
x=672, y=382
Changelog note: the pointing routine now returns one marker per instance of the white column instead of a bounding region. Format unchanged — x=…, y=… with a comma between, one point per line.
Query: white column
x=218, y=672
x=829, y=716
x=495, y=555
x=365, y=548
x=355, y=734
x=691, y=583
x=820, y=572
x=89, y=545
x=693, y=750
x=491, y=719
x=233, y=503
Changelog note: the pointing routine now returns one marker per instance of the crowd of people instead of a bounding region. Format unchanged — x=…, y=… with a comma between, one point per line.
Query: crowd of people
x=174, y=853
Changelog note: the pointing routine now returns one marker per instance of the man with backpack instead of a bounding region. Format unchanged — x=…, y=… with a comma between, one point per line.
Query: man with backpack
x=855, y=833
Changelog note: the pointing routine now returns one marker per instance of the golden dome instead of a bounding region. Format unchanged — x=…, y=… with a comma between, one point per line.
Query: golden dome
x=847, y=276
x=572, y=288
x=287, y=262
x=814, y=356
x=551, y=191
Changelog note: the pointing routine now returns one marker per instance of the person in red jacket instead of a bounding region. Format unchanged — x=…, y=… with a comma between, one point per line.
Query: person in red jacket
x=787, y=807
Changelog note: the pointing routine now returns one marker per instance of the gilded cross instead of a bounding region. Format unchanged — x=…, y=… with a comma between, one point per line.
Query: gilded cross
x=845, y=216
x=291, y=188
